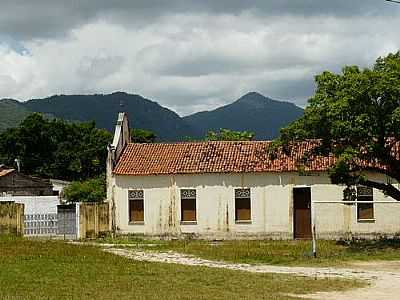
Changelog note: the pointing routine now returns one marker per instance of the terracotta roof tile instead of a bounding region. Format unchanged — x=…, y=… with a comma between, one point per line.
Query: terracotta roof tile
x=215, y=157
x=4, y=172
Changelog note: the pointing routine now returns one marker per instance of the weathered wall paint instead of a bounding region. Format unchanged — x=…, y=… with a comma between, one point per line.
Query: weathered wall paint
x=11, y=218
x=271, y=206
x=93, y=219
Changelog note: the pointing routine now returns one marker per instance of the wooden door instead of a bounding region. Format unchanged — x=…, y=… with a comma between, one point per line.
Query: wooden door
x=302, y=213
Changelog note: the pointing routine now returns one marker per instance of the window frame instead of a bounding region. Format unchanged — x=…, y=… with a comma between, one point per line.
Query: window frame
x=239, y=197
x=360, y=202
x=189, y=197
x=135, y=198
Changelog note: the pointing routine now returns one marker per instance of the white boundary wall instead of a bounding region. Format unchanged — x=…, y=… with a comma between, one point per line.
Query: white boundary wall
x=35, y=204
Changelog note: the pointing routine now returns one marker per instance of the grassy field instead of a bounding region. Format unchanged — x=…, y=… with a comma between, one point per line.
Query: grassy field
x=291, y=253
x=55, y=270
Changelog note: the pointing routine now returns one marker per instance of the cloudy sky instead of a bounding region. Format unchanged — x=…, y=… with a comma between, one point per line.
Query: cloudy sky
x=188, y=55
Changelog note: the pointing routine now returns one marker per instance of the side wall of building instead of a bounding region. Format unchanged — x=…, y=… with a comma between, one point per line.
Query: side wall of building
x=271, y=206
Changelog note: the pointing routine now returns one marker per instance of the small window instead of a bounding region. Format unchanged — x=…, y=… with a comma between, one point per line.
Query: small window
x=136, y=206
x=188, y=205
x=242, y=206
x=365, y=211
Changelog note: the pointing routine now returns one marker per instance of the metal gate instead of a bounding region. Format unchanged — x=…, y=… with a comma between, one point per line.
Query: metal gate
x=67, y=220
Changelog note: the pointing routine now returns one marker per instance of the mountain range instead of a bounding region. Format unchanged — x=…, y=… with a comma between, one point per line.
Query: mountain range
x=252, y=112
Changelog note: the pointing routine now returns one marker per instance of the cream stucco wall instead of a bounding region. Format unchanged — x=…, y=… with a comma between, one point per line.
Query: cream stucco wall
x=271, y=206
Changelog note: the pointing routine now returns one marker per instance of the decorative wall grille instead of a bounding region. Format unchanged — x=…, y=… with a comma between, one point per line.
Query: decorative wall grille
x=40, y=224
x=135, y=194
x=188, y=194
x=364, y=191
x=242, y=193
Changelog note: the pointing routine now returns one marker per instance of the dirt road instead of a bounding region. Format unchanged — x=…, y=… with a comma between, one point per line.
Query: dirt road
x=384, y=277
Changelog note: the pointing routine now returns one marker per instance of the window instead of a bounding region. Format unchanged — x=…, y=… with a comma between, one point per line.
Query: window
x=188, y=206
x=136, y=206
x=365, y=211
x=242, y=206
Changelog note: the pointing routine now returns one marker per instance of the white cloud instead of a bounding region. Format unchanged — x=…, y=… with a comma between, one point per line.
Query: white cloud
x=192, y=61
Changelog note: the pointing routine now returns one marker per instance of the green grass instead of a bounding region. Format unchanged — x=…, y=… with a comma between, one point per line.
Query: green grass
x=292, y=253
x=32, y=269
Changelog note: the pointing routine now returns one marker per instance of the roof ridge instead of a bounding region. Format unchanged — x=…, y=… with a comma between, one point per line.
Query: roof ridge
x=201, y=142
x=220, y=142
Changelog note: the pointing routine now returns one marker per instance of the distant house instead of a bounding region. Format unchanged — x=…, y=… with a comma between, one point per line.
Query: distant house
x=59, y=186
x=36, y=194
x=236, y=190
x=17, y=184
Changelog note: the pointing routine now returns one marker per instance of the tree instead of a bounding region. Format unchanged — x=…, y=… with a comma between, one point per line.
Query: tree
x=356, y=116
x=56, y=148
x=91, y=190
x=143, y=136
x=229, y=135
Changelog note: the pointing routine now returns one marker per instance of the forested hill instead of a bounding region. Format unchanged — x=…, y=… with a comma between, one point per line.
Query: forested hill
x=103, y=109
x=252, y=112
x=12, y=113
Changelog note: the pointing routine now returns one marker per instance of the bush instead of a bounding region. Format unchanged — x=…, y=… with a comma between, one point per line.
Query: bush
x=92, y=190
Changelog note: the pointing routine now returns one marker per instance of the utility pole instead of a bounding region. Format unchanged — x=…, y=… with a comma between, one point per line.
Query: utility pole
x=313, y=231
x=18, y=162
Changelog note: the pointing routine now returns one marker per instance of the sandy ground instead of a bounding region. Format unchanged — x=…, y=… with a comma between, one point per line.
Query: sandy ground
x=384, y=277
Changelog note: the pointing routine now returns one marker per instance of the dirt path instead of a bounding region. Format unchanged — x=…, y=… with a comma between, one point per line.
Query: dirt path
x=384, y=277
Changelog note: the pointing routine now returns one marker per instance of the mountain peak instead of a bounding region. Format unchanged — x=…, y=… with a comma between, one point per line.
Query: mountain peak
x=252, y=112
x=253, y=97
x=253, y=94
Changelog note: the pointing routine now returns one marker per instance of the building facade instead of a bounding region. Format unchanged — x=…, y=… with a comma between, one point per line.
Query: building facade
x=218, y=190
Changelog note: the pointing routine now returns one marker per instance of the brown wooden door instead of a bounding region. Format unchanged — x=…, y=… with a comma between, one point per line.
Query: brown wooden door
x=302, y=213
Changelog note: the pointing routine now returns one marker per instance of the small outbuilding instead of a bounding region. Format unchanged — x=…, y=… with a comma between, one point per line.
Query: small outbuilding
x=14, y=183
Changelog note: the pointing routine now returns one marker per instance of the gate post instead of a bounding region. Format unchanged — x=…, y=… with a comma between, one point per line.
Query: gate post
x=78, y=218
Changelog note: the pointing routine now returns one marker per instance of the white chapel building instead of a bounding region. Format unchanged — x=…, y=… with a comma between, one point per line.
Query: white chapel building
x=227, y=190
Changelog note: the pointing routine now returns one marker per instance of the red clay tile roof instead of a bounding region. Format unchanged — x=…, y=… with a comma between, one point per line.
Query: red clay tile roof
x=214, y=157
x=4, y=172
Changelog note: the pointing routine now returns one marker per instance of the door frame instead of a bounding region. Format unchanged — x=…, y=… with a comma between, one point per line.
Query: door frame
x=294, y=209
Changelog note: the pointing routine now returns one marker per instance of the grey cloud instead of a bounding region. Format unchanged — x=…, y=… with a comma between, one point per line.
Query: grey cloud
x=99, y=67
x=188, y=55
x=293, y=90
x=54, y=18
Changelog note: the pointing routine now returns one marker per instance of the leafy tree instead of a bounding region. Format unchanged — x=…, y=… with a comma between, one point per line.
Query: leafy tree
x=356, y=117
x=91, y=190
x=55, y=148
x=229, y=135
x=143, y=136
